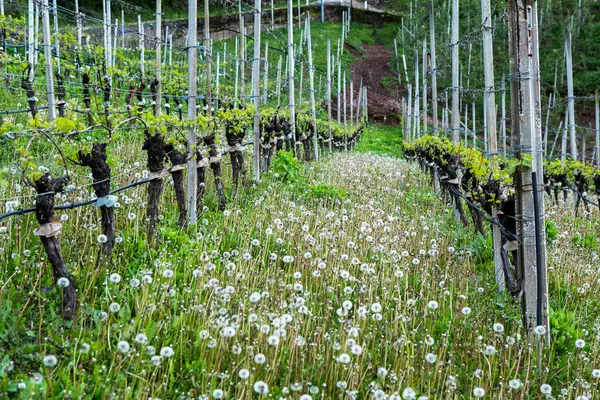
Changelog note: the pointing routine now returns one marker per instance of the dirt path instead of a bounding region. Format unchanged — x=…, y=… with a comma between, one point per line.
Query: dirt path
x=372, y=68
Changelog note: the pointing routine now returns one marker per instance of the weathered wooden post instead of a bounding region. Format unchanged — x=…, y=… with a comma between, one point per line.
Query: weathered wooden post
x=256, y=88
x=489, y=99
x=291, y=84
x=158, y=59
x=571, y=97
x=192, y=176
x=433, y=69
x=208, y=57
x=266, y=73
x=242, y=55
x=311, y=79
x=48, y=60
x=424, y=66
x=526, y=128
x=597, y=149
x=455, y=88
x=329, y=92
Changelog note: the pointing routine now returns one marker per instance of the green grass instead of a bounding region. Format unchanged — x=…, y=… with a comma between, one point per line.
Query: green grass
x=381, y=140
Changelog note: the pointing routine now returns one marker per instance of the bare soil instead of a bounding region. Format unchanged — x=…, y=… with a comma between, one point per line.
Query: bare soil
x=372, y=67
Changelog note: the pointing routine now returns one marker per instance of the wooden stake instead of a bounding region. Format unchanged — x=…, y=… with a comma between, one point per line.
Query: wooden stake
x=266, y=73
x=256, y=88
x=424, y=66
x=455, y=88
x=433, y=70
x=489, y=100
x=311, y=79
x=291, y=84
x=242, y=55
x=158, y=60
x=208, y=57
x=279, y=81
x=48, y=60
x=329, y=92
x=571, y=98
x=526, y=124
x=192, y=173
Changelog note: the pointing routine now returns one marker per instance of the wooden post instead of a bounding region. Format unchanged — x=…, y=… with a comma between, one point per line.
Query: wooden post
x=266, y=73
x=563, y=149
x=30, y=34
x=141, y=44
x=597, y=149
x=409, y=117
x=397, y=66
x=256, y=88
x=489, y=99
x=237, y=73
x=329, y=91
x=217, y=76
x=339, y=86
x=192, y=174
x=242, y=55
x=417, y=112
x=122, y=28
x=291, y=67
x=433, y=69
x=158, y=59
x=48, y=60
x=455, y=88
x=571, y=98
x=345, y=121
x=503, y=116
x=208, y=57
x=279, y=81
x=546, y=129
x=166, y=44
x=467, y=124
x=351, y=100
x=474, y=124
x=526, y=123
x=108, y=32
x=311, y=79
x=78, y=21
x=424, y=62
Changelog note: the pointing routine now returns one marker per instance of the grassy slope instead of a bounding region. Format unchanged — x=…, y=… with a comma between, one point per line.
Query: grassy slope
x=372, y=209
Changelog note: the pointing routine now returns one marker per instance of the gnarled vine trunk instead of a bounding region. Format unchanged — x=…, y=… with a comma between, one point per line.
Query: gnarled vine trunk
x=48, y=234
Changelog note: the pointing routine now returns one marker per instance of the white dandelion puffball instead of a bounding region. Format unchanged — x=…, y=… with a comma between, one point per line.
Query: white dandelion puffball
x=260, y=358
x=546, y=389
x=114, y=307
x=433, y=305
x=244, y=373
x=409, y=394
x=50, y=361
x=141, y=338
x=431, y=358
x=218, y=394
x=478, y=392
x=466, y=310
x=515, y=384
x=115, y=278
x=167, y=352
x=261, y=387
x=344, y=358
x=498, y=327
x=596, y=373
x=123, y=347
x=540, y=330
x=580, y=343
x=63, y=282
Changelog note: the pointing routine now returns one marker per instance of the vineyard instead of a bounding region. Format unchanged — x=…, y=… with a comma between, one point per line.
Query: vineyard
x=263, y=201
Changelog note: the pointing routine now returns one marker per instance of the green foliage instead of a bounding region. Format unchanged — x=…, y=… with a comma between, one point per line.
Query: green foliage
x=551, y=231
x=382, y=140
x=285, y=166
x=324, y=191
